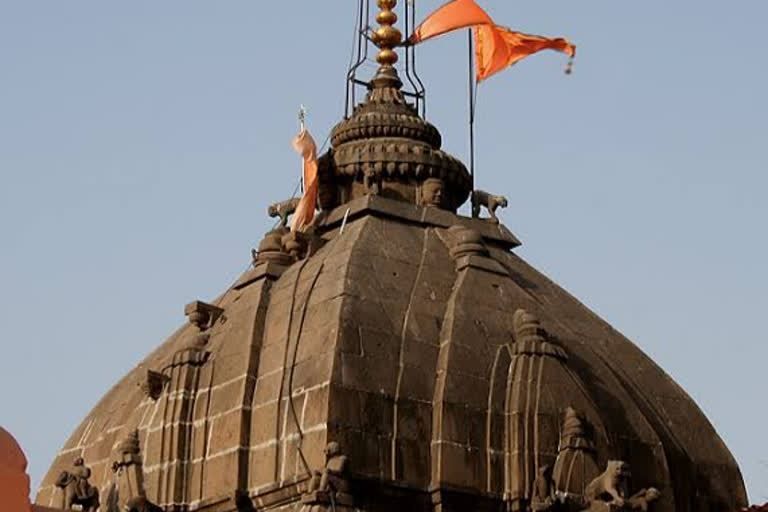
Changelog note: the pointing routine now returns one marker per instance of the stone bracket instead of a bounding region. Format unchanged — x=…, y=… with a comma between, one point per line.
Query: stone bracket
x=154, y=383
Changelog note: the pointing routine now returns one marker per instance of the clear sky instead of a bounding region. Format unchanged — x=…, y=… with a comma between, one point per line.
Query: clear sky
x=141, y=142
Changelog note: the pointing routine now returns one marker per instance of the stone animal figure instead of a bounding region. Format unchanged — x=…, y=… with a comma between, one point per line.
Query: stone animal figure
x=611, y=486
x=77, y=490
x=490, y=202
x=283, y=209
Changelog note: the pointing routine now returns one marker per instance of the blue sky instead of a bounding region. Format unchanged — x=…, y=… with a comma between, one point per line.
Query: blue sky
x=140, y=143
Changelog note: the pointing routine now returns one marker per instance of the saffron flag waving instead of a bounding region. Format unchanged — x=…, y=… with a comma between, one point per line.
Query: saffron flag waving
x=497, y=48
x=305, y=211
x=451, y=16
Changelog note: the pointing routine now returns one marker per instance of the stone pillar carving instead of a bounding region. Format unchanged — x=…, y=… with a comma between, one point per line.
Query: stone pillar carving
x=130, y=469
x=129, y=494
x=575, y=467
x=532, y=416
x=175, y=431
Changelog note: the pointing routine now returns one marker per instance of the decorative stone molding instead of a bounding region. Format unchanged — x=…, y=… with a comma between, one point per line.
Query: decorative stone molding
x=386, y=142
x=153, y=384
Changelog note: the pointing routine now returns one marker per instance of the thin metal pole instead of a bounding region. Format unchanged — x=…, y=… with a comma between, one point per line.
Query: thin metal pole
x=422, y=89
x=471, y=110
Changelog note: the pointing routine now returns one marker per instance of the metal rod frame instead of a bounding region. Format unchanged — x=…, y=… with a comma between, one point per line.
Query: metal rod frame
x=471, y=109
x=418, y=92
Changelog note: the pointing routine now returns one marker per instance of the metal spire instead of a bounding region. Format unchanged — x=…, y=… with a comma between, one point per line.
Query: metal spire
x=386, y=37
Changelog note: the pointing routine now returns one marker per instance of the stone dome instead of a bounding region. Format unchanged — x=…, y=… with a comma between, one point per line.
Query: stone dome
x=396, y=356
x=408, y=352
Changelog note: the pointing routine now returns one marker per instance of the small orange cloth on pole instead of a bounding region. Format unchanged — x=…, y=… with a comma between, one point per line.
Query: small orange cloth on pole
x=451, y=16
x=14, y=481
x=497, y=48
x=305, y=211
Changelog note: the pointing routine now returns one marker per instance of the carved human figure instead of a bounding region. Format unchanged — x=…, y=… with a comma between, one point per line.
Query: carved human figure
x=611, y=486
x=371, y=183
x=333, y=477
x=77, y=489
x=491, y=203
x=432, y=192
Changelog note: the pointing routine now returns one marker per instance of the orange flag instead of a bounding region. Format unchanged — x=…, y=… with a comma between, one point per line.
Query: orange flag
x=451, y=16
x=305, y=211
x=497, y=48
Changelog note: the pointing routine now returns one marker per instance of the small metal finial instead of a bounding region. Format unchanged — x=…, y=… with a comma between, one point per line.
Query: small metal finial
x=386, y=37
x=303, y=117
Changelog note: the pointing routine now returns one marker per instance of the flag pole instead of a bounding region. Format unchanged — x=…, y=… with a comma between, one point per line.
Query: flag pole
x=471, y=110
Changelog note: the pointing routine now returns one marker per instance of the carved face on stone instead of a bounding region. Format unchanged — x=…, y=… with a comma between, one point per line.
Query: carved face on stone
x=432, y=192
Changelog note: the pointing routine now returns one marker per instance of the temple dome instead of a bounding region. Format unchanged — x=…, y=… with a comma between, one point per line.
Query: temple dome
x=392, y=356
x=399, y=340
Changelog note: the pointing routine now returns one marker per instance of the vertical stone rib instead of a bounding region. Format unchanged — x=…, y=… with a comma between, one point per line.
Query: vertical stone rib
x=206, y=434
x=403, y=336
x=254, y=341
x=278, y=429
x=494, y=427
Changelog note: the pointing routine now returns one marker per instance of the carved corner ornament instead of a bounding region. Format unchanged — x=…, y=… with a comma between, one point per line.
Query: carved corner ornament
x=463, y=241
x=202, y=315
x=153, y=384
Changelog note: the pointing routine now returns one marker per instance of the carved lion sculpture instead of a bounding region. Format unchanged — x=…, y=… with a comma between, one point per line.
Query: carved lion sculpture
x=490, y=202
x=283, y=209
x=611, y=486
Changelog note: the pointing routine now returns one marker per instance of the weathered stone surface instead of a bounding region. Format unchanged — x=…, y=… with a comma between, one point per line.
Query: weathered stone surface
x=443, y=365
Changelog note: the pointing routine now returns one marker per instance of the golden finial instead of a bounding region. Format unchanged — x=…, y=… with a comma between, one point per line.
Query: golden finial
x=386, y=37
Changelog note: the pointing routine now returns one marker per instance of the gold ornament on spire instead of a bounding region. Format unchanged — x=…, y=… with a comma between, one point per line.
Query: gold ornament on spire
x=386, y=37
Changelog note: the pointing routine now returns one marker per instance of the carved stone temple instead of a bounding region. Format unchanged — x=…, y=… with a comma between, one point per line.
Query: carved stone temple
x=394, y=356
